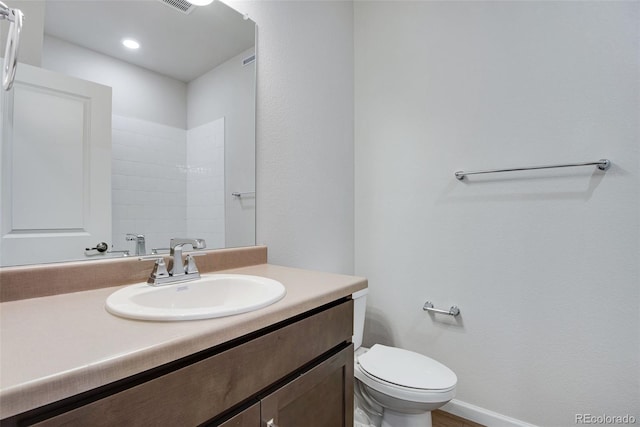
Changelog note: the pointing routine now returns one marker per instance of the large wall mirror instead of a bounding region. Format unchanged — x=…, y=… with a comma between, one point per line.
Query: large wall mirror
x=103, y=142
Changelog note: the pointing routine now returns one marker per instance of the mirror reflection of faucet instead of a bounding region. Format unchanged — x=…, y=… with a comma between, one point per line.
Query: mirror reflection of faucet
x=141, y=248
x=178, y=271
x=157, y=251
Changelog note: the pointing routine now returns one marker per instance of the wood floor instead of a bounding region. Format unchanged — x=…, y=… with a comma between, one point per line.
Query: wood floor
x=445, y=419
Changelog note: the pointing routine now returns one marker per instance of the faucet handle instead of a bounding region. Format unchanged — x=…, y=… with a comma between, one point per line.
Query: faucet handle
x=159, y=269
x=191, y=267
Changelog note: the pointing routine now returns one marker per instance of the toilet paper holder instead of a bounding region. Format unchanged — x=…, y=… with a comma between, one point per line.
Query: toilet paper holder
x=453, y=311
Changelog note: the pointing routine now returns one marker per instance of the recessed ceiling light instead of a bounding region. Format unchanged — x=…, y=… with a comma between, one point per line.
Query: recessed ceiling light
x=131, y=44
x=200, y=2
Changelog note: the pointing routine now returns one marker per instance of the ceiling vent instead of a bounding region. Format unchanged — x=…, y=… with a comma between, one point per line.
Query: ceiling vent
x=179, y=5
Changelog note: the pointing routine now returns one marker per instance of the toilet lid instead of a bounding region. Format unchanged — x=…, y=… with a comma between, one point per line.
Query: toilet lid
x=406, y=368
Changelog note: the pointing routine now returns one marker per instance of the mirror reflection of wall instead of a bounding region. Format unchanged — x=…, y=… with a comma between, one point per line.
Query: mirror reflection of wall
x=182, y=128
x=167, y=152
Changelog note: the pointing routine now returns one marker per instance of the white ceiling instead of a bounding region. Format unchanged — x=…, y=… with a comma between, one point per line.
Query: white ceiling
x=174, y=44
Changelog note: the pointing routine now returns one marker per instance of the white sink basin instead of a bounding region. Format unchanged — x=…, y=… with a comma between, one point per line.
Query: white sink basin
x=213, y=295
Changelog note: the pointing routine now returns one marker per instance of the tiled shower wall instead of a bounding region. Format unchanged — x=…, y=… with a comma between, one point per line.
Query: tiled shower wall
x=162, y=175
x=205, y=183
x=149, y=182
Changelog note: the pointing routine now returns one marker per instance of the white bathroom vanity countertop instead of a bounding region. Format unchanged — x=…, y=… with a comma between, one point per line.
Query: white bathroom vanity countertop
x=58, y=346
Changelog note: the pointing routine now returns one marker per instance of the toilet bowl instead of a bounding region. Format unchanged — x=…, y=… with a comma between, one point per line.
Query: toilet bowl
x=401, y=386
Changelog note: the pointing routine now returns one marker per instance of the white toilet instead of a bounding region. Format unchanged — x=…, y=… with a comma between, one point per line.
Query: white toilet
x=403, y=385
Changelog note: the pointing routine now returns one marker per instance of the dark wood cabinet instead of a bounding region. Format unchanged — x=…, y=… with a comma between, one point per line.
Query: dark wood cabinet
x=249, y=417
x=298, y=373
x=322, y=397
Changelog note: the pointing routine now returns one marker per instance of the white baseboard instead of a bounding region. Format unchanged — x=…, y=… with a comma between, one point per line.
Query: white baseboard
x=481, y=415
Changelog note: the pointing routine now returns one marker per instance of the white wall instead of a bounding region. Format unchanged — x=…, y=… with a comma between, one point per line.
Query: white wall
x=229, y=91
x=543, y=265
x=137, y=93
x=304, y=131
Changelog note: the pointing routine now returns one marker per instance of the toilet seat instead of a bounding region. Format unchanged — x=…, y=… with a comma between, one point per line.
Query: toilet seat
x=405, y=374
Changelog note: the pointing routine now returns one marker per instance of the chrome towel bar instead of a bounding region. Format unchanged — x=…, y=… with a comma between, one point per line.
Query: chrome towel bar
x=602, y=164
x=453, y=311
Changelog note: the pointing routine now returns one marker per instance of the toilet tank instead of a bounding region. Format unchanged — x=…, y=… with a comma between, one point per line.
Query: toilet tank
x=359, y=308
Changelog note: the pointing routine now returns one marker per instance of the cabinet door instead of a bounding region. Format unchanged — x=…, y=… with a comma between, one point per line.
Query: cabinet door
x=250, y=417
x=321, y=397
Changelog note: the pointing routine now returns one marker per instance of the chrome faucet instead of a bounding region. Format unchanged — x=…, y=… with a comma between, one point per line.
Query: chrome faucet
x=178, y=268
x=140, y=243
x=179, y=272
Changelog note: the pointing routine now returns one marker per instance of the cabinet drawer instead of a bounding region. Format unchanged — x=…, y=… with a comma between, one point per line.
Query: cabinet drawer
x=196, y=393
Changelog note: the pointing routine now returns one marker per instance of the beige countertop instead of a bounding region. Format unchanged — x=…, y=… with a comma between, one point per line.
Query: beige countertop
x=57, y=346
